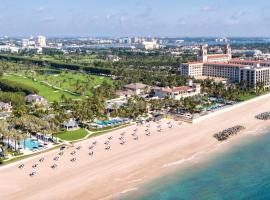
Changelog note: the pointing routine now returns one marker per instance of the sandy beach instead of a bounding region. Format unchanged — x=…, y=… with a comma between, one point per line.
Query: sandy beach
x=110, y=173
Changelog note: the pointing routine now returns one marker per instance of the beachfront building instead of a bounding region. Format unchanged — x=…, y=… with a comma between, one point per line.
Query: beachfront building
x=36, y=100
x=261, y=63
x=251, y=76
x=205, y=57
x=223, y=70
x=137, y=88
x=223, y=66
x=177, y=93
x=71, y=124
x=122, y=94
x=114, y=104
x=192, y=69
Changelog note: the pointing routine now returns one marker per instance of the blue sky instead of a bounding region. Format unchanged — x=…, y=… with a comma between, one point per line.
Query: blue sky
x=135, y=17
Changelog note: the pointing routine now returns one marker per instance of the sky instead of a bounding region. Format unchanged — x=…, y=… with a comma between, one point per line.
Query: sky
x=163, y=18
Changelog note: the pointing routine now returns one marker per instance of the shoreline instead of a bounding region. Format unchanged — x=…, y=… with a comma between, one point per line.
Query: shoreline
x=129, y=166
x=204, y=158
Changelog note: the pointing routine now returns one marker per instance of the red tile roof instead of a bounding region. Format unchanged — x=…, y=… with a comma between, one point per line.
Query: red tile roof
x=176, y=89
x=248, y=61
x=194, y=62
x=224, y=64
x=218, y=56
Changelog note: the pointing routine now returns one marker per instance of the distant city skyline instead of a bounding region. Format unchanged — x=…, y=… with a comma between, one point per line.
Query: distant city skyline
x=115, y=18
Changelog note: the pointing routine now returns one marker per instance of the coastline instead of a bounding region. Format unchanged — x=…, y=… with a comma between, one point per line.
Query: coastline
x=125, y=168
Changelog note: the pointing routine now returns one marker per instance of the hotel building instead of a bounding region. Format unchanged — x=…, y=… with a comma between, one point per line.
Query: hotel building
x=177, y=93
x=222, y=65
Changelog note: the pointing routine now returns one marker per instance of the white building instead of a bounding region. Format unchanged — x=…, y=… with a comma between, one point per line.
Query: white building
x=177, y=93
x=252, y=75
x=25, y=43
x=7, y=48
x=150, y=45
x=41, y=41
x=137, y=88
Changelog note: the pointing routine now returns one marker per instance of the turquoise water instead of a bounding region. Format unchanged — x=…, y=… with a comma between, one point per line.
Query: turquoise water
x=30, y=144
x=241, y=173
x=108, y=122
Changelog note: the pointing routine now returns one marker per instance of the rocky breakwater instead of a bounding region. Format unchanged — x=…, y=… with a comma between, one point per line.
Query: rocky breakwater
x=225, y=134
x=263, y=116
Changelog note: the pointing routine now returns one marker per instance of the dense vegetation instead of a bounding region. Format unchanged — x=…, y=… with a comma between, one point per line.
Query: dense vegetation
x=16, y=99
x=56, y=64
x=13, y=86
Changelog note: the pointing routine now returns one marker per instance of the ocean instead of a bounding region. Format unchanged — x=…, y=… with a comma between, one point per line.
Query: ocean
x=243, y=172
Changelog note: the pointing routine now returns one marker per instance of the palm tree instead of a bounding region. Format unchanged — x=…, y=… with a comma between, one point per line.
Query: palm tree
x=259, y=88
x=24, y=137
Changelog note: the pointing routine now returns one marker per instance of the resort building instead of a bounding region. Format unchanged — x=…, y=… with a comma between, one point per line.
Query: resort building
x=137, y=88
x=36, y=99
x=124, y=93
x=114, y=104
x=223, y=66
x=251, y=76
x=177, y=93
x=71, y=124
x=193, y=69
x=223, y=70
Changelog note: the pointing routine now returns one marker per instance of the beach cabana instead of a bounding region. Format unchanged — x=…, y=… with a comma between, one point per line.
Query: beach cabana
x=71, y=125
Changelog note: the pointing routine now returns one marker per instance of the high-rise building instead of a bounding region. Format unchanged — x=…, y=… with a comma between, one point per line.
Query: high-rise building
x=149, y=45
x=25, y=43
x=41, y=41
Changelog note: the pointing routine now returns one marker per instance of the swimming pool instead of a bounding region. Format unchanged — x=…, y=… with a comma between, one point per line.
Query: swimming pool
x=109, y=122
x=30, y=144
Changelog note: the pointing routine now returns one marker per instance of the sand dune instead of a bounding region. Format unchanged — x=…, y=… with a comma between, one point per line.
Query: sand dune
x=122, y=169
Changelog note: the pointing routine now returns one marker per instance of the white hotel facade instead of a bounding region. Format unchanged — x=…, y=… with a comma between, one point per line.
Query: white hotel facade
x=249, y=72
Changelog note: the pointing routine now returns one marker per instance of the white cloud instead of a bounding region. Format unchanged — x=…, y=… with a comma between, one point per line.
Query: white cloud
x=47, y=19
x=40, y=9
x=208, y=8
x=232, y=21
x=94, y=18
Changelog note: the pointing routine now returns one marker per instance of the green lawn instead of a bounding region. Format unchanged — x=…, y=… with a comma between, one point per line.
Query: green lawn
x=245, y=97
x=48, y=92
x=74, y=81
x=73, y=135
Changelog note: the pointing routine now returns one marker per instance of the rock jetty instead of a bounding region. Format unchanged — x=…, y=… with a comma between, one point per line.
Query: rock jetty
x=263, y=116
x=225, y=134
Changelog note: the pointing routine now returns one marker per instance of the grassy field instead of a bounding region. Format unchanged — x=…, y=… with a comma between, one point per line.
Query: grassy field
x=74, y=81
x=78, y=84
x=48, y=92
x=73, y=135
